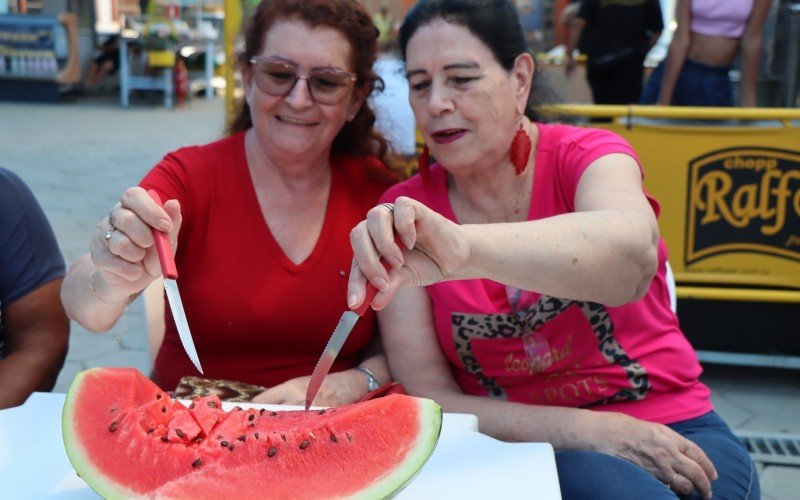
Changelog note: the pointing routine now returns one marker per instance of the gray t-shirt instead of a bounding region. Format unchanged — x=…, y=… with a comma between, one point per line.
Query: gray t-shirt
x=29, y=254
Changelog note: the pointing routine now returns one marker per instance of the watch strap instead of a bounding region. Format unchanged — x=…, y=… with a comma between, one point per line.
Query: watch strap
x=372, y=380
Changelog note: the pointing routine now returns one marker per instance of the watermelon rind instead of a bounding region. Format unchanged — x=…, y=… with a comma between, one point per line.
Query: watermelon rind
x=76, y=452
x=430, y=428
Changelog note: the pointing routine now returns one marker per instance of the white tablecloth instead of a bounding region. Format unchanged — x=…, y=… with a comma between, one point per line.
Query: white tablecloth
x=465, y=464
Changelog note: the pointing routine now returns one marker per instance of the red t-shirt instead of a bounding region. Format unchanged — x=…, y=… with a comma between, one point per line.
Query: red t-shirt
x=254, y=315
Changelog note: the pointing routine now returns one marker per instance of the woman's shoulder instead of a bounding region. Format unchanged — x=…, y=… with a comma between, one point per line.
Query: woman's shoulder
x=553, y=136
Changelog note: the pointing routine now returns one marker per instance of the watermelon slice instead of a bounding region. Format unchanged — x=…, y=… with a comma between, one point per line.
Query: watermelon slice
x=127, y=438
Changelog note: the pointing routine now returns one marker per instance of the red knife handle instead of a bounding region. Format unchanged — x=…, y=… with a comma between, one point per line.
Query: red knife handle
x=165, y=257
x=371, y=292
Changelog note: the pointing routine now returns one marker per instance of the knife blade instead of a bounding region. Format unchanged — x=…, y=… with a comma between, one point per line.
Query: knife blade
x=170, y=272
x=335, y=343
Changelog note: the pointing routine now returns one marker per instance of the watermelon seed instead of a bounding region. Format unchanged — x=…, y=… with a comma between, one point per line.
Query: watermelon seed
x=242, y=438
x=113, y=409
x=150, y=430
x=163, y=409
x=251, y=417
x=251, y=424
x=197, y=463
x=158, y=396
x=212, y=404
x=113, y=426
x=272, y=451
x=261, y=411
x=236, y=408
x=305, y=444
x=219, y=436
x=191, y=406
x=164, y=438
x=230, y=447
x=322, y=411
x=349, y=437
x=180, y=433
x=274, y=413
x=283, y=436
x=333, y=438
x=198, y=440
x=312, y=436
x=224, y=444
x=256, y=435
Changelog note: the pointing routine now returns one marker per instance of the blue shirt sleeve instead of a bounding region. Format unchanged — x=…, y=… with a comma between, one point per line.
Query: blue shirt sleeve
x=29, y=254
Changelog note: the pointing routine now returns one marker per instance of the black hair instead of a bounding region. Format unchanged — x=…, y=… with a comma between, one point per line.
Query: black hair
x=494, y=22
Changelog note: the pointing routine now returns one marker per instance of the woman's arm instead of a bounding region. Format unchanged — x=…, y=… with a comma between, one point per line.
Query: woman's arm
x=605, y=252
x=337, y=389
x=416, y=360
x=751, y=51
x=99, y=285
x=676, y=55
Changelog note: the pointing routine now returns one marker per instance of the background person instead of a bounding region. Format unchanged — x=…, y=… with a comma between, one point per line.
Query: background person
x=260, y=220
x=616, y=37
x=106, y=63
x=545, y=310
x=34, y=330
x=709, y=36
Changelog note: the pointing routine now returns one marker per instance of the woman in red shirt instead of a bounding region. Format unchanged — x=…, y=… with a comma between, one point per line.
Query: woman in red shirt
x=260, y=220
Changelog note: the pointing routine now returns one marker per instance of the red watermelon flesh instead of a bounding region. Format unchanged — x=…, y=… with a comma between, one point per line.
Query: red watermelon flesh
x=126, y=437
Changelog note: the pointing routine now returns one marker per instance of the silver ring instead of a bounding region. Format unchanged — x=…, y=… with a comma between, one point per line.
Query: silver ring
x=389, y=207
x=107, y=235
x=111, y=218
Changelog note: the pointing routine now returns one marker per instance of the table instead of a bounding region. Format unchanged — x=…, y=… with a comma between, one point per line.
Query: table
x=464, y=465
x=128, y=82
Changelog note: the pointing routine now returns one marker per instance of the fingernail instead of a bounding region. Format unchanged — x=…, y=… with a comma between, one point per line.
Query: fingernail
x=381, y=283
x=408, y=242
x=395, y=261
x=352, y=300
x=165, y=224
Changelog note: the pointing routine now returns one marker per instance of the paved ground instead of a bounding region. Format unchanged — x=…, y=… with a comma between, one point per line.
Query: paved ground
x=79, y=156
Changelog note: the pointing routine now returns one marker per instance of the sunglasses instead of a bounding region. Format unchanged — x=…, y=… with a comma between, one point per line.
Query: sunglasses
x=278, y=77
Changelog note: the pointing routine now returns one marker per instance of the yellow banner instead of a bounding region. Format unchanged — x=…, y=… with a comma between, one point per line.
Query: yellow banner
x=729, y=195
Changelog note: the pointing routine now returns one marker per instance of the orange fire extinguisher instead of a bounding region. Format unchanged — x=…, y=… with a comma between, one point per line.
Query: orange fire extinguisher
x=181, y=81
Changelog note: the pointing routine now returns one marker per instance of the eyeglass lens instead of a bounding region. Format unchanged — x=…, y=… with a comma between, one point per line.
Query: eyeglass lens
x=326, y=86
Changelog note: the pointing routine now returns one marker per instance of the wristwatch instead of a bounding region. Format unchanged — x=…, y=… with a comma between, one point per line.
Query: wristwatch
x=372, y=380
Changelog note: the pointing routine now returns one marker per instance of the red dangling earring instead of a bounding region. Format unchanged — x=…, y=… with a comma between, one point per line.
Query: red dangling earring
x=424, y=166
x=520, y=150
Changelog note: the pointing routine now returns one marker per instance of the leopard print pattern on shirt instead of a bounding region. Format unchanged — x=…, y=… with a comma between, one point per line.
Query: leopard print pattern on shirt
x=466, y=327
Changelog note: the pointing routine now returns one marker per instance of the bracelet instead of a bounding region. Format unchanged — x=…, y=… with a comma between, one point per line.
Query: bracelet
x=372, y=380
x=124, y=302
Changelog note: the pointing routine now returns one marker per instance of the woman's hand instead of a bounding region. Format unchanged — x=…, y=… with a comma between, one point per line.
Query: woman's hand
x=670, y=457
x=122, y=247
x=436, y=249
x=337, y=389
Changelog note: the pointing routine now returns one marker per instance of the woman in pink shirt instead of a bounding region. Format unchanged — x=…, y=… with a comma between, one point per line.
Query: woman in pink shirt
x=545, y=309
x=709, y=35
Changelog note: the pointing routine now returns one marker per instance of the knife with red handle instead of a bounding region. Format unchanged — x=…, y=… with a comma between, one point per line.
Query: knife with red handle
x=335, y=343
x=170, y=272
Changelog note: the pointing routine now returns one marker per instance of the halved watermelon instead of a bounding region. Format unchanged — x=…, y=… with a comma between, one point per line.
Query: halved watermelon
x=127, y=438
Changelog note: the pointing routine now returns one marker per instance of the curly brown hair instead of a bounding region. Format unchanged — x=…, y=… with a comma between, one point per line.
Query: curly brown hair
x=358, y=136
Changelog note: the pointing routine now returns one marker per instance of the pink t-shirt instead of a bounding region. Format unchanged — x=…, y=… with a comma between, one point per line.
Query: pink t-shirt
x=531, y=348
